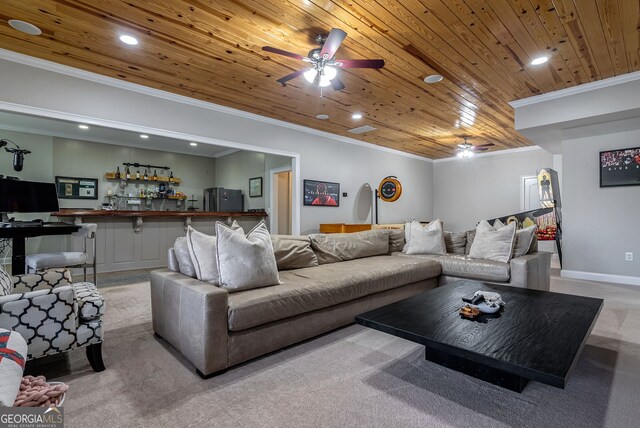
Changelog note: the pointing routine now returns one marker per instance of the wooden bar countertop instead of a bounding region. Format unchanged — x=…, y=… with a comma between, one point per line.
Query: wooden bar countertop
x=126, y=213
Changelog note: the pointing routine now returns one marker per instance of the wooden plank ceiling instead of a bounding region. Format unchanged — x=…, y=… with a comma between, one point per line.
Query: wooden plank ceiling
x=211, y=50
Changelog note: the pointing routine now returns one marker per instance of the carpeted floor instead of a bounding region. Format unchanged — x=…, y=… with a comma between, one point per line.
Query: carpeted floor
x=352, y=377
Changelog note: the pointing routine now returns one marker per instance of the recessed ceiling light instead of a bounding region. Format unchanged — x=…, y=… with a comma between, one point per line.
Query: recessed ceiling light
x=322, y=116
x=130, y=40
x=143, y=136
x=24, y=27
x=540, y=60
x=356, y=116
x=83, y=126
x=192, y=144
x=433, y=78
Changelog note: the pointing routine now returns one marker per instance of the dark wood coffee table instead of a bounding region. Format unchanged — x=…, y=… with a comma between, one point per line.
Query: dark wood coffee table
x=537, y=336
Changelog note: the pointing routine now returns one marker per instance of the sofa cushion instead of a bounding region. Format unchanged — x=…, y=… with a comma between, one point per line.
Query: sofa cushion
x=492, y=244
x=338, y=247
x=479, y=269
x=309, y=289
x=428, y=239
x=245, y=262
x=293, y=252
x=455, y=242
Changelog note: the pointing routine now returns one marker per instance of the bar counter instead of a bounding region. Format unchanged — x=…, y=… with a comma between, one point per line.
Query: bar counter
x=140, y=239
x=128, y=213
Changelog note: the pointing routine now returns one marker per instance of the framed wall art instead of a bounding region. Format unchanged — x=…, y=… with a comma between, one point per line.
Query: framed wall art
x=255, y=187
x=77, y=188
x=321, y=193
x=620, y=167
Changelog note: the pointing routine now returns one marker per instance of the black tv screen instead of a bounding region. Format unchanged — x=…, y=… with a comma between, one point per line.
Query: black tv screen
x=17, y=196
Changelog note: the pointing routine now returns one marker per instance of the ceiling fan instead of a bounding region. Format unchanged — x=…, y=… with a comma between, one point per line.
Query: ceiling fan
x=323, y=65
x=466, y=149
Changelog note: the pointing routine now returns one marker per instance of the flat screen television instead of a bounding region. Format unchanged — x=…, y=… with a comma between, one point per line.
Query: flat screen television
x=18, y=196
x=321, y=193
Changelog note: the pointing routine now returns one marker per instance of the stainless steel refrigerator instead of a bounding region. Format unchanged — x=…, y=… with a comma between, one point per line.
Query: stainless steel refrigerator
x=223, y=200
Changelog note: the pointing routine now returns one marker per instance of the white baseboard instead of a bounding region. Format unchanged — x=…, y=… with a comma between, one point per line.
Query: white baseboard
x=603, y=277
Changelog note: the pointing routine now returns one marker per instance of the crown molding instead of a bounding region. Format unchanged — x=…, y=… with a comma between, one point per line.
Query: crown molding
x=498, y=153
x=157, y=93
x=587, y=87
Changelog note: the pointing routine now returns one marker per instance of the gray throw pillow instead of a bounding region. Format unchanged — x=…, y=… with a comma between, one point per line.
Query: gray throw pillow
x=396, y=240
x=337, y=247
x=428, y=239
x=202, y=249
x=492, y=244
x=185, y=264
x=293, y=252
x=246, y=262
x=524, y=239
x=471, y=235
x=455, y=242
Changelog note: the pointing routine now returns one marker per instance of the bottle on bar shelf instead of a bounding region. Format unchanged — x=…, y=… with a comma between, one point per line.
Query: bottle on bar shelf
x=118, y=173
x=146, y=176
x=128, y=176
x=138, y=175
x=155, y=175
x=171, y=177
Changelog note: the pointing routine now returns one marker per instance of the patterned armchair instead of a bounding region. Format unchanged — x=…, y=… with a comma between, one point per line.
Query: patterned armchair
x=52, y=314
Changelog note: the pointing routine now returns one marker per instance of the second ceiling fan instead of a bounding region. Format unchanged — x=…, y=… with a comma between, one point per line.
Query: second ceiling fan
x=323, y=67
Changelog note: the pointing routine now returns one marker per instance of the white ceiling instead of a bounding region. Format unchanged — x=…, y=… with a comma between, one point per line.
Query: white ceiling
x=98, y=134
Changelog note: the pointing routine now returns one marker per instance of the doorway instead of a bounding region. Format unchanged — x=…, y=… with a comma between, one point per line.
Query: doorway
x=529, y=198
x=281, y=192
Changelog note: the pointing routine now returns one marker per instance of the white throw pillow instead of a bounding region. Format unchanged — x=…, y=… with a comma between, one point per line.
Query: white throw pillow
x=246, y=262
x=428, y=239
x=492, y=244
x=13, y=345
x=202, y=249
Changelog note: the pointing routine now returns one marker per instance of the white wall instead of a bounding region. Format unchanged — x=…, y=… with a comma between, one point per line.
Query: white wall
x=599, y=224
x=483, y=187
x=323, y=157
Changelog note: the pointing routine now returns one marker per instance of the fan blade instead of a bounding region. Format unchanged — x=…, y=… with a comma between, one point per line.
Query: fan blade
x=361, y=63
x=333, y=42
x=285, y=79
x=281, y=52
x=480, y=149
x=337, y=84
x=486, y=145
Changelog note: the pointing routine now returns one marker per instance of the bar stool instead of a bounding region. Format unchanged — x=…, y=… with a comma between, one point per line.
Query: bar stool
x=69, y=259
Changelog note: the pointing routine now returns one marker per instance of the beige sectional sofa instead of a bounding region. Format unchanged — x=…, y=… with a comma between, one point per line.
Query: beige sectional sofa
x=347, y=274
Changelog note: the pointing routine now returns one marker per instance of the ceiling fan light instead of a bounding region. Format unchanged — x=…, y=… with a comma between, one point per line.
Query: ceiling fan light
x=310, y=75
x=324, y=81
x=330, y=72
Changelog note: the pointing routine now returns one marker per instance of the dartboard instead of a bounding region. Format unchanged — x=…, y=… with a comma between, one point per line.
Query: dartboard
x=390, y=189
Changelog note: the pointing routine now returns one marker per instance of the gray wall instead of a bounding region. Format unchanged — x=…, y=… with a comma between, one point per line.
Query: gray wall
x=92, y=160
x=322, y=156
x=233, y=172
x=483, y=187
x=599, y=224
